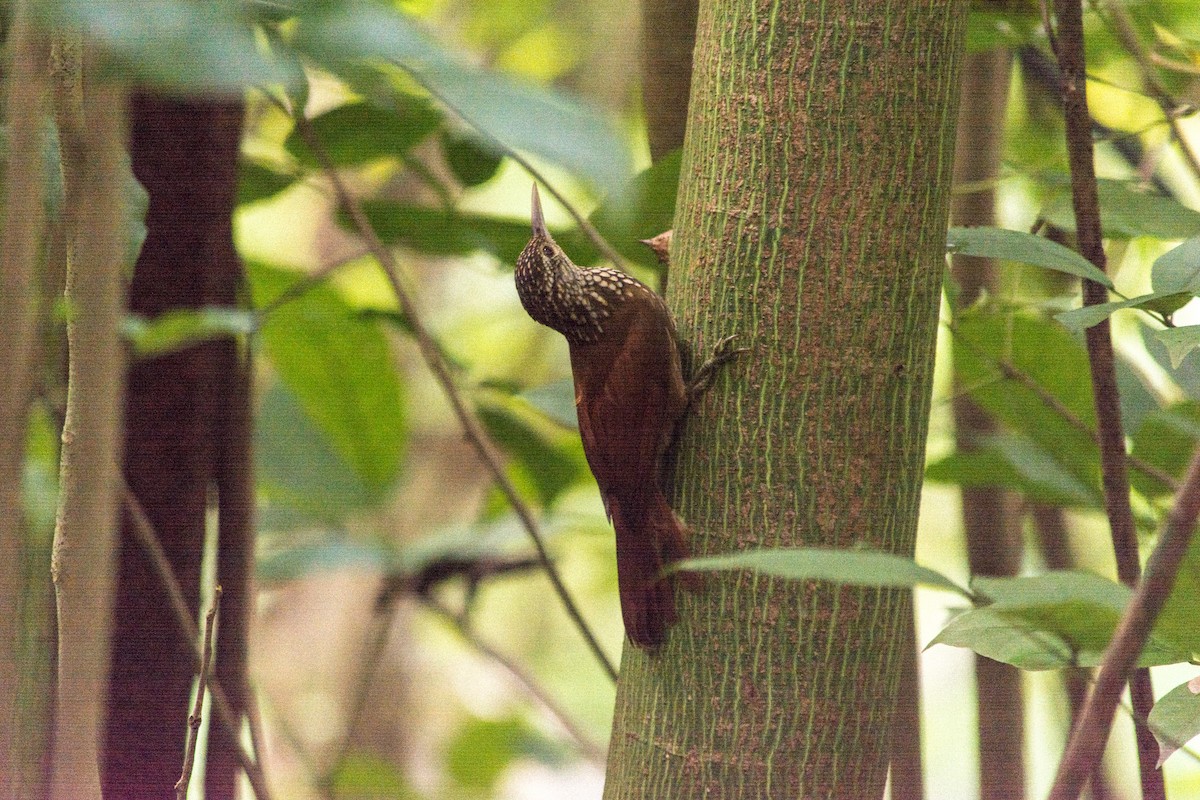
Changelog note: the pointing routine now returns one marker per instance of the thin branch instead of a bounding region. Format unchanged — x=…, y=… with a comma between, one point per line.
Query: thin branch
x=194, y=719
x=148, y=540
x=431, y=352
x=1086, y=204
x=1012, y=372
x=1088, y=737
x=589, y=748
x=584, y=225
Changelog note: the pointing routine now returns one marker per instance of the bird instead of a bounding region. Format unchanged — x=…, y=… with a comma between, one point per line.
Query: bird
x=630, y=396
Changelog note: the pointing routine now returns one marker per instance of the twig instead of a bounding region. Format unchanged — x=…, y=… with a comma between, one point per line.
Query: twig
x=1086, y=204
x=589, y=748
x=431, y=352
x=584, y=225
x=194, y=719
x=148, y=539
x=1091, y=732
x=1012, y=372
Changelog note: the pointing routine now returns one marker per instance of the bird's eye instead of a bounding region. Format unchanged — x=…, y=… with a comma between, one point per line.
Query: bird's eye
x=547, y=251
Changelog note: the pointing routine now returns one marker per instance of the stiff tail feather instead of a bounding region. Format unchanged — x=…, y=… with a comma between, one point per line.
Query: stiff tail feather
x=649, y=537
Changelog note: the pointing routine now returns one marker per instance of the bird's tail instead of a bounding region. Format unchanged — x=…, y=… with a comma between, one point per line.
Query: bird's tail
x=649, y=537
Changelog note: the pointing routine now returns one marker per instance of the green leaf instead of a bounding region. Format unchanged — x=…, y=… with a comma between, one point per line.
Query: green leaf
x=473, y=162
x=855, y=567
x=329, y=554
x=1025, y=248
x=1166, y=440
x=1078, y=320
x=1006, y=640
x=556, y=400
x=137, y=205
x=1180, y=342
x=1175, y=719
x=257, y=181
x=185, y=45
x=483, y=749
x=988, y=466
x=340, y=369
x=1186, y=375
x=1178, y=270
x=451, y=232
x=645, y=208
x=177, y=330
x=1053, y=360
x=363, y=775
x=357, y=133
x=1126, y=212
x=1045, y=621
x=546, y=457
x=523, y=116
x=1041, y=468
x=301, y=476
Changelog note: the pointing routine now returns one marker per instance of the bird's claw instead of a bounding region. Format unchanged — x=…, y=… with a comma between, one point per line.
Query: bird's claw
x=722, y=354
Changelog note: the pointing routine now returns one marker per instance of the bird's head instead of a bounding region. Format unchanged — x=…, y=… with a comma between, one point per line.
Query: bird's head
x=542, y=257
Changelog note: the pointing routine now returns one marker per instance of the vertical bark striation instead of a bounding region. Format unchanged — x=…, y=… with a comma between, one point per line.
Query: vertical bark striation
x=811, y=224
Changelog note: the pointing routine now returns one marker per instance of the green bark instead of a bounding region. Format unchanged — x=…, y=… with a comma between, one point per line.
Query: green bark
x=811, y=225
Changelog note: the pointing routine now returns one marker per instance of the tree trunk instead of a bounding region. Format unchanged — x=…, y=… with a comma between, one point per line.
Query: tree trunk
x=810, y=225
x=991, y=528
x=186, y=435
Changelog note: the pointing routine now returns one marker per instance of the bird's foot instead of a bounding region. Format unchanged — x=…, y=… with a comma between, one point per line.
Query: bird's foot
x=703, y=378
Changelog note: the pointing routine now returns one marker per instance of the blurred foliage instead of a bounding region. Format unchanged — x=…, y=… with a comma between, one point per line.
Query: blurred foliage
x=428, y=137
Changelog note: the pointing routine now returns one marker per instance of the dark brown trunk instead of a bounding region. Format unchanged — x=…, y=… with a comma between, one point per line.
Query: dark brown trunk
x=177, y=409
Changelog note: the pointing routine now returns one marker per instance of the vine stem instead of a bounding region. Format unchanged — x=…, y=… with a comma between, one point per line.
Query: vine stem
x=1113, y=465
x=432, y=354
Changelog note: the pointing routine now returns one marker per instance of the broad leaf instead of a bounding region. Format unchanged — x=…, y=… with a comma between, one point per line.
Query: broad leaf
x=357, y=133
x=1166, y=440
x=1180, y=342
x=176, y=44
x=340, y=369
x=1178, y=270
x=855, y=567
x=301, y=476
x=258, y=181
x=176, y=330
x=1046, y=621
x=1127, y=212
x=1022, y=247
x=556, y=401
x=344, y=36
x=1049, y=357
x=472, y=160
x=1175, y=719
x=552, y=459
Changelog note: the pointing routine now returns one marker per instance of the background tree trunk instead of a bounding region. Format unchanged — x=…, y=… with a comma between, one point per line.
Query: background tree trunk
x=811, y=225
x=668, y=37
x=990, y=524
x=181, y=410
